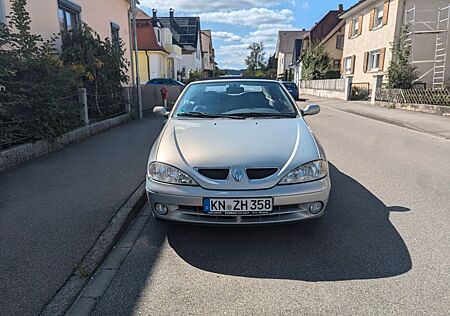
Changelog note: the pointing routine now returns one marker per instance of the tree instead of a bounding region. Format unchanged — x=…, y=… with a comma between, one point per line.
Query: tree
x=271, y=68
x=316, y=63
x=401, y=74
x=255, y=61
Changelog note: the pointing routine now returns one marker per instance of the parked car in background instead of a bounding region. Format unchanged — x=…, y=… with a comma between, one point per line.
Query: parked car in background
x=219, y=158
x=166, y=82
x=292, y=88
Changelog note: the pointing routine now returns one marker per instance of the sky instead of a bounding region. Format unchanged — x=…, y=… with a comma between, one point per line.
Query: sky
x=235, y=24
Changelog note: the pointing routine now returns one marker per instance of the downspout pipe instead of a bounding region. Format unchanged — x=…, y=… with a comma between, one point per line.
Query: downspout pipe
x=136, y=56
x=131, y=47
x=148, y=64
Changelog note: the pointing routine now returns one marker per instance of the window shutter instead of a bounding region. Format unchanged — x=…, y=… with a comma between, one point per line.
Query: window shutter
x=382, y=56
x=385, y=12
x=372, y=18
x=342, y=66
x=350, y=29
x=360, y=24
x=366, y=61
x=353, y=64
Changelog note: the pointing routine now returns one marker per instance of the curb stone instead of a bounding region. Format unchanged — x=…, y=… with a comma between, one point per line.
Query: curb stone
x=97, y=286
x=16, y=155
x=117, y=226
x=394, y=122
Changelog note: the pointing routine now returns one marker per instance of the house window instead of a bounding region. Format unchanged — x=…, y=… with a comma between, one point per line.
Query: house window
x=378, y=16
x=69, y=15
x=336, y=64
x=340, y=42
x=355, y=28
x=374, y=60
x=158, y=36
x=348, y=65
x=115, y=36
x=2, y=12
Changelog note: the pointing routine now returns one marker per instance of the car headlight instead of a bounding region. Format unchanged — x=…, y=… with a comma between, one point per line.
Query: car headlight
x=310, y=171
x=162, y=172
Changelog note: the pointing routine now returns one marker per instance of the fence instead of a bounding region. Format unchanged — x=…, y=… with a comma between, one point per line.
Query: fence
x=102, y=107
x=360, y=91
x=326, y=84
x=18, y=128
x=74, y=110
x=12, y=133
x=414, y=96
x=327, y=88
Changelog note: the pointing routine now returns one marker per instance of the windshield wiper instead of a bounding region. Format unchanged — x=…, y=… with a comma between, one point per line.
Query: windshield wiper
x=259, y=114
x=208, y=115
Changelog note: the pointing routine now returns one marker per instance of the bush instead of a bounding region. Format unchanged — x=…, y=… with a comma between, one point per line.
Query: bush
x=401, y=74
x=101, y=68
x=36, y=103
x=40, y=98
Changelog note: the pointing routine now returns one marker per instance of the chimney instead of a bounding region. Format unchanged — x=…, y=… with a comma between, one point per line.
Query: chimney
x=155, y=12
x=171, y=13
x=341, y=7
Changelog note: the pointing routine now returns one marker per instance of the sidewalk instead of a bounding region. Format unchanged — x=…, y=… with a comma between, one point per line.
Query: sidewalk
x=52, y=209
x=427, y=123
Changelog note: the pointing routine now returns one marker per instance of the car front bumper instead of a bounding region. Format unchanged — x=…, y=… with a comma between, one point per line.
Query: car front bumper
x=290, y=202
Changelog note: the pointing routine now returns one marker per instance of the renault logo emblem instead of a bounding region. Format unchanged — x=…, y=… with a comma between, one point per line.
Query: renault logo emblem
x=237, y=175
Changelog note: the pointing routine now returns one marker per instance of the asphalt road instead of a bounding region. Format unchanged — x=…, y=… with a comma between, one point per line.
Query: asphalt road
x=52, y=210
x=382, y=247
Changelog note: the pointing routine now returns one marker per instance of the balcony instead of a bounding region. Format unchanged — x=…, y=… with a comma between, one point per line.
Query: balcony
x=174, y=50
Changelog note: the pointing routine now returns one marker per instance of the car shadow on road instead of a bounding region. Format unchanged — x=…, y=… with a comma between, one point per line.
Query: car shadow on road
x=354, y=240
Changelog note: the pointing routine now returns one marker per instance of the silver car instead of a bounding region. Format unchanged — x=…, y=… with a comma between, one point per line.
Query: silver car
x=237, y=151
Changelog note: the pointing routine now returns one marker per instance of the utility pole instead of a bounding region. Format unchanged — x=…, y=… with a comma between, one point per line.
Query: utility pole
x=136, y=60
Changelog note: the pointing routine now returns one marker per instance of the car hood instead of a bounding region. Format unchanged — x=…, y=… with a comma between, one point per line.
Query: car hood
x=225, y=143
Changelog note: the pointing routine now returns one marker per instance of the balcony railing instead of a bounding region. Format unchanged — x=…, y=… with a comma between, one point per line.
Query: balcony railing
x=173, y=49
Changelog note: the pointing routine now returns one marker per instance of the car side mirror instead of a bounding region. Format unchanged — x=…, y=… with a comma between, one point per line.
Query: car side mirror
x=311, y=109
x=161, y=111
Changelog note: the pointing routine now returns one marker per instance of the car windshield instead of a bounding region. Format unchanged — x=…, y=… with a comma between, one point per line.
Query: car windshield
x=290, y=85
x=235, y=99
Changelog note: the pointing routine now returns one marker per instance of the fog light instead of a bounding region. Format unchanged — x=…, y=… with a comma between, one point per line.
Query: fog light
x=315, y=207
x=161, y=209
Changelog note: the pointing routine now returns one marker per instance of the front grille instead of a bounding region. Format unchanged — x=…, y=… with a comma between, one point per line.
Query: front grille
x=260, y=173
x=215, y=174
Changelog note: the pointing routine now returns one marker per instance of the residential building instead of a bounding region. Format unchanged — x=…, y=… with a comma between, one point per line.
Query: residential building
x=186, y=34
x=285, y=52
x=109, y=18
x=158, y=56
x=373, y=25
x=208, y=57
x=329, y=33
x=333, y=44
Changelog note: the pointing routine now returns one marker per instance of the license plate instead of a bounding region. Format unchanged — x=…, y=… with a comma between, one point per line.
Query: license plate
x=238, y=206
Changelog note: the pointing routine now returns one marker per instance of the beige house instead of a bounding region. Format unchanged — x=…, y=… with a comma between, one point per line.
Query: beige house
x=109, y=18
x=373, y=25
x=333, y=44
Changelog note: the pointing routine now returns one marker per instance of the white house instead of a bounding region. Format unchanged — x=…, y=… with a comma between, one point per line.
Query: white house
x=186, y=34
